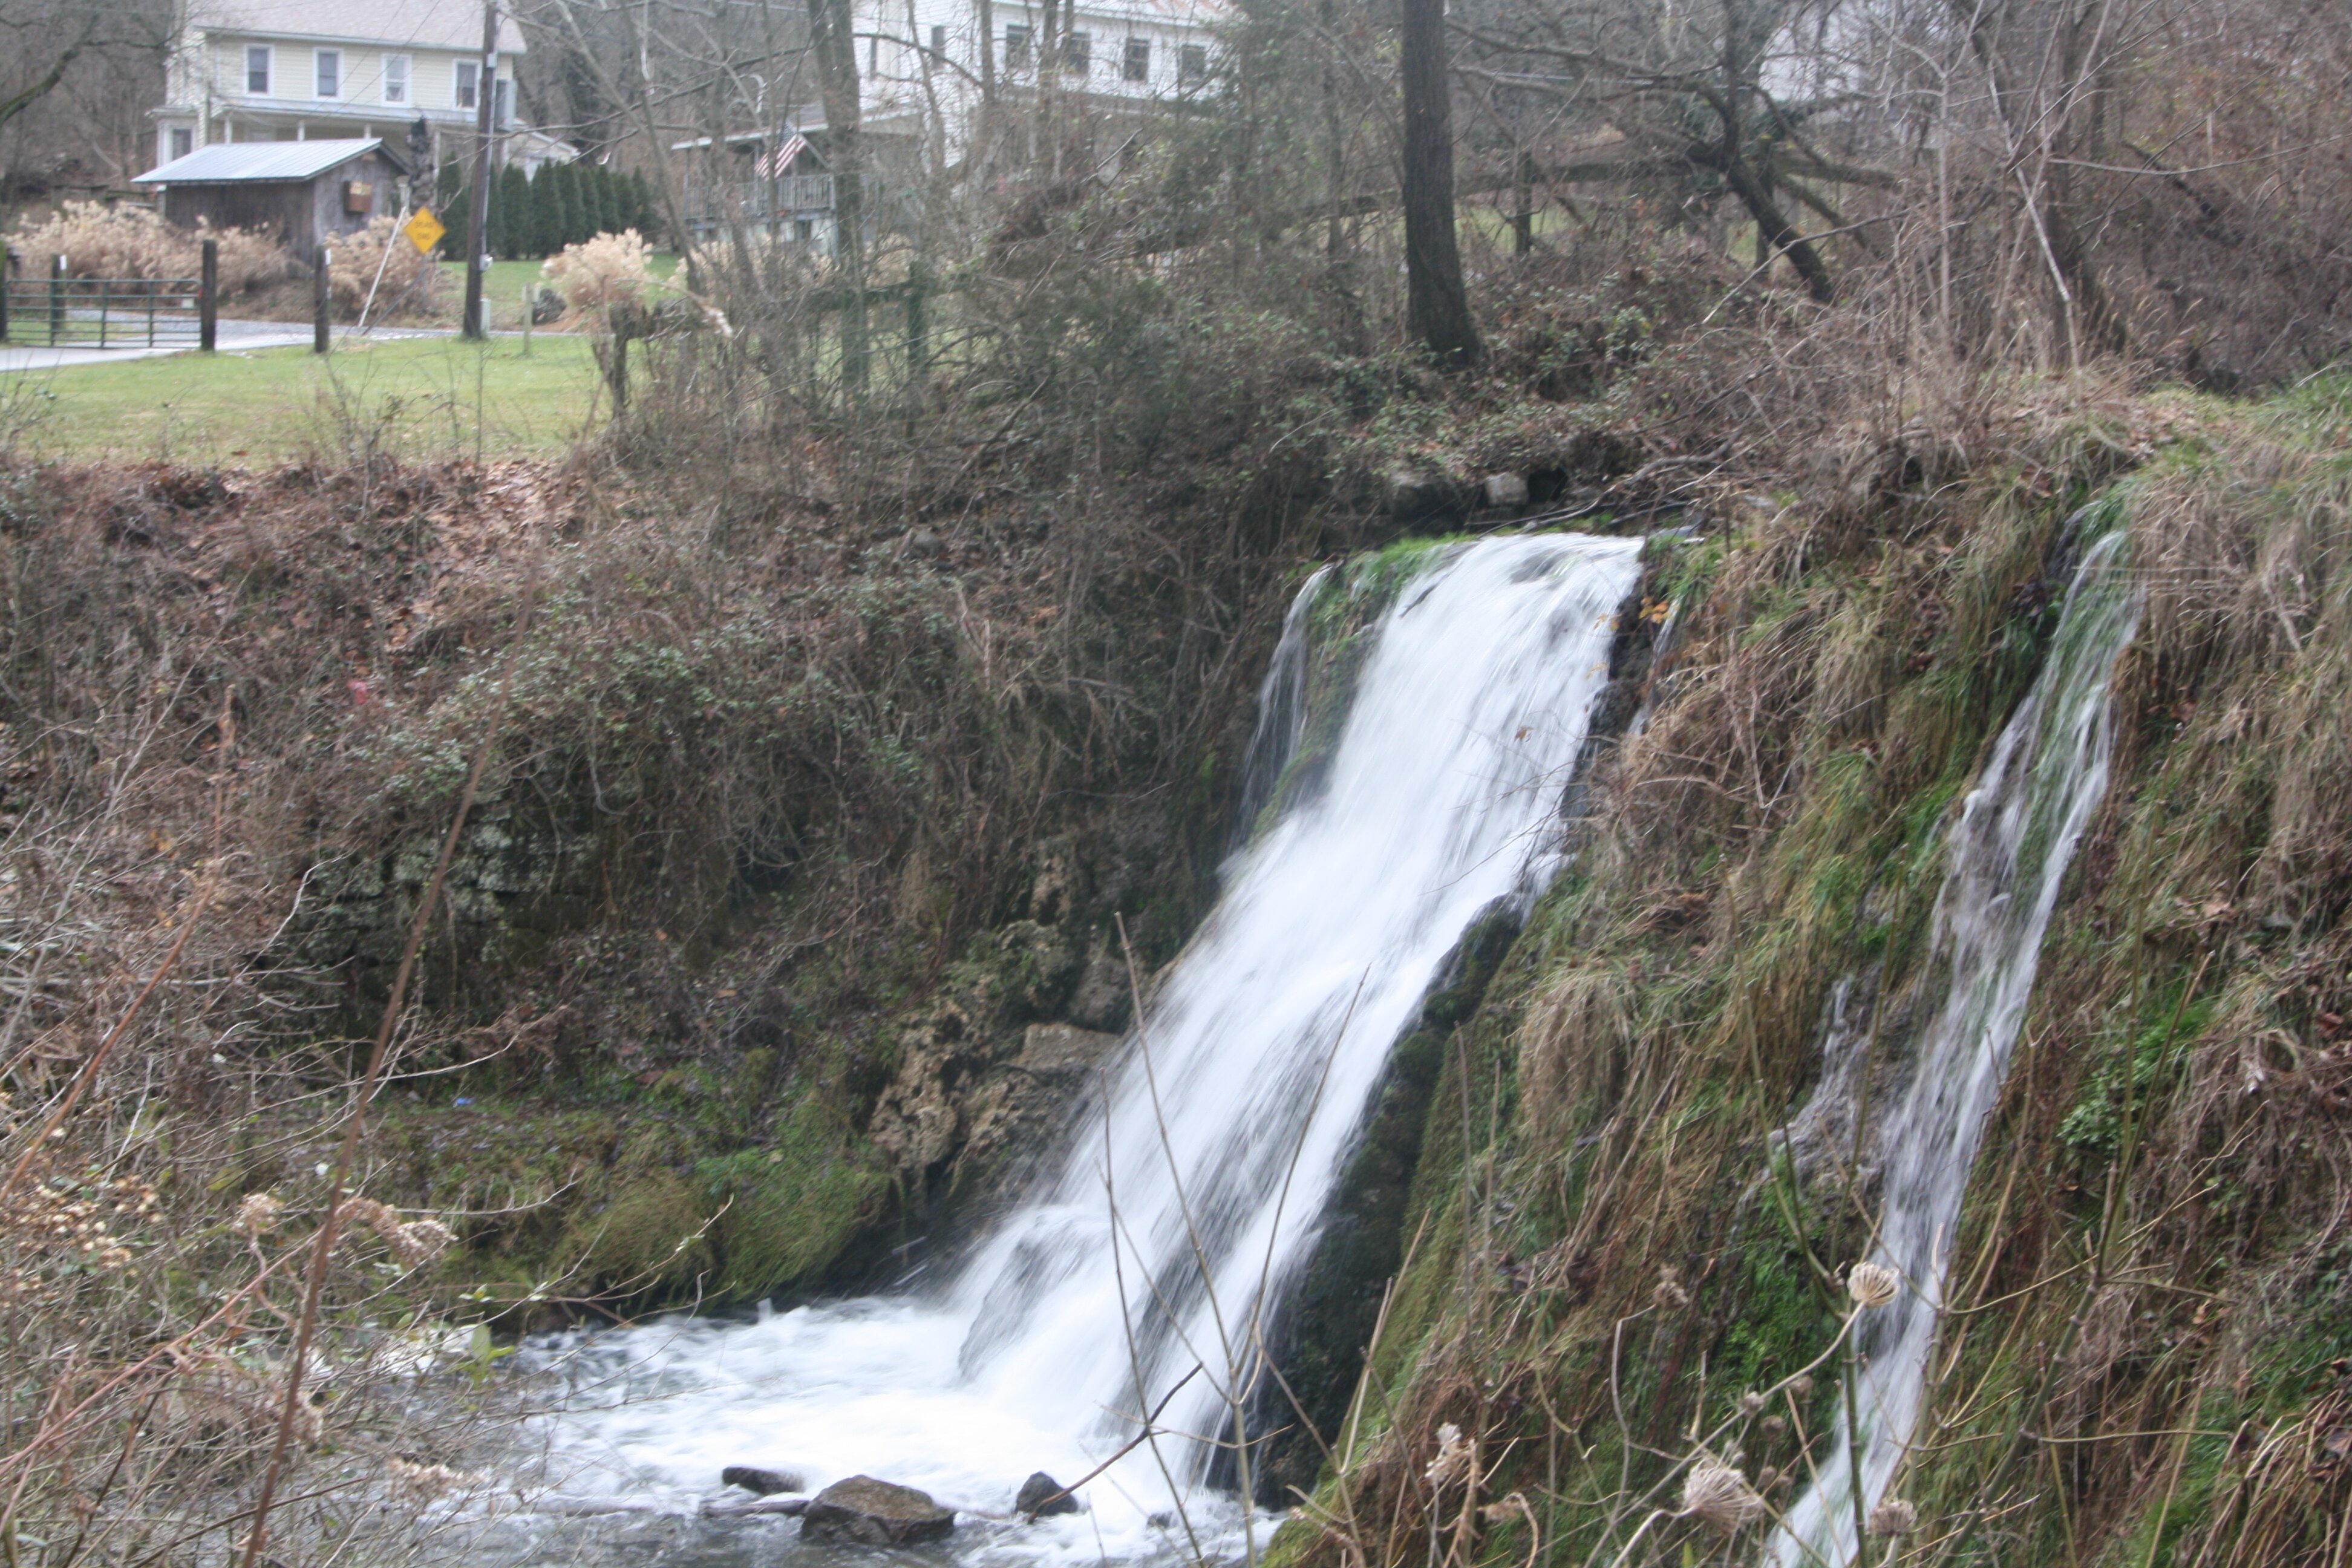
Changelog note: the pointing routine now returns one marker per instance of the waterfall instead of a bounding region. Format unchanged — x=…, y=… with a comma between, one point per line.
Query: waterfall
x=1281, y=710
x=1191, y=1193
x=2009, y=851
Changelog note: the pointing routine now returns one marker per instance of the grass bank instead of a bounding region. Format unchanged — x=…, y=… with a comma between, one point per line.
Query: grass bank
x=421, y=397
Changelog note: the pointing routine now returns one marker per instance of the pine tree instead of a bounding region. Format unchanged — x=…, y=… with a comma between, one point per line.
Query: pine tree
x=452, y=205
x=546, y=231
x=577, y=224
x=640, y=203
x=519, y=218
x=608, y=205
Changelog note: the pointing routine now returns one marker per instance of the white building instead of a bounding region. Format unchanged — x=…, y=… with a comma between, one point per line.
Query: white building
x=923, y=58
x=296, y=70
x=921, y=88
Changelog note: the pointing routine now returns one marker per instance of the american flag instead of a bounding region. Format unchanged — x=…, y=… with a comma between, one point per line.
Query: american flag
x=771, y=165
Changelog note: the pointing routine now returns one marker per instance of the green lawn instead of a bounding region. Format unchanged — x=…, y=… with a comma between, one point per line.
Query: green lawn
x=419, y=398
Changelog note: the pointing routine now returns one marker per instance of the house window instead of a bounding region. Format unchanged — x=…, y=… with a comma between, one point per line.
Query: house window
x=395, y=78
x=938, y=47
x=1077, y=52
x=1016, y=47
x=501, y=100
x=183, y=141
x=256, y=70
x=1191, y=62
x=1137, y=66
x=330, y=72
x=470, y=84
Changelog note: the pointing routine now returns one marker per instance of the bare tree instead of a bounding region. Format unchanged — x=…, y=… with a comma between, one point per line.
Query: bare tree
x=1439, y=305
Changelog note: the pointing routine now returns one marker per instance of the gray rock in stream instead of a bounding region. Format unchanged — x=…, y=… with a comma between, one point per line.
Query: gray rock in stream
x=863, y=1511
x=1042, y=1494
x=766, y=1483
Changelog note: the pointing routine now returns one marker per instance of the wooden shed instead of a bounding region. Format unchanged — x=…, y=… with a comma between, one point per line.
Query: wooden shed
x=306, y=192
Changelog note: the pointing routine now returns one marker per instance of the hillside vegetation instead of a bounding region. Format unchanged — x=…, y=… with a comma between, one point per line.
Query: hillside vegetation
x=442, y=899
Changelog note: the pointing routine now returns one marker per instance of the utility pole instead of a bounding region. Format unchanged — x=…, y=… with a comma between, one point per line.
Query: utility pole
x=485, y=94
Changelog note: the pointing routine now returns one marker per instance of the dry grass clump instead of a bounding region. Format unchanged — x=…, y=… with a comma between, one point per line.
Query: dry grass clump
x=382, y=259
x=101, y=241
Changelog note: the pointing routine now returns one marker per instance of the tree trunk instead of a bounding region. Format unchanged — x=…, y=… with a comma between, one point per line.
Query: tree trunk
x=834, y=23
x=1773, y=225
x=1437, y=305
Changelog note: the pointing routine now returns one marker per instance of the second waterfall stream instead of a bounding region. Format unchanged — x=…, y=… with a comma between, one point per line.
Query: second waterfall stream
x=1193, y=1189
x=2009, y=855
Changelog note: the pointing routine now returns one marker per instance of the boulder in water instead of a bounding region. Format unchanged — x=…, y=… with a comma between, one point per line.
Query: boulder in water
x=863, y=1511
x=1042, y=1494
x=766, y=1483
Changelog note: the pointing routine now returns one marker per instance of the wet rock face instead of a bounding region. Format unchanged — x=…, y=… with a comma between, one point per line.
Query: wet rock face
x=863, y=1511
x=1042, y=1494
x=1063, y=1051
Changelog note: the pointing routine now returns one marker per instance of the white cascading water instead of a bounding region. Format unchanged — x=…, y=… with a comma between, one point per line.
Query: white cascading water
x=1194, y=1187
x=2009, y=851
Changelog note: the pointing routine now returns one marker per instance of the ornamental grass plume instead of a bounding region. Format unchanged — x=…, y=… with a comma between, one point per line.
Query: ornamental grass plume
x=382, y=260
x=1719, y=1496
x=1873, y=1284
x=609, y=270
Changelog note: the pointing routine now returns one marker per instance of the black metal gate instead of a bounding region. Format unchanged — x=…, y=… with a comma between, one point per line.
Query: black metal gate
x=101, y=312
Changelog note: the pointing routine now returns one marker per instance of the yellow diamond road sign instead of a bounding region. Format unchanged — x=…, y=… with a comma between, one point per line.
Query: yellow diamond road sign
x=424, y=230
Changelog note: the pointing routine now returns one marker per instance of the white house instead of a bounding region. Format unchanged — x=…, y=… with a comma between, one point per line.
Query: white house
x=923, y=56
x=921, y=76
x=296, y=70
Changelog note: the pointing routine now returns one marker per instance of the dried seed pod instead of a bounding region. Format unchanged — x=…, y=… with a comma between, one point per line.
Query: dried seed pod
x=1873, y=1284
x=418, y=1242
x=256, y=1215
x=1670, y=1294
x=1751, y=1403
x=1453, y=1459
x=1894, y=1516
x=1719, y=1496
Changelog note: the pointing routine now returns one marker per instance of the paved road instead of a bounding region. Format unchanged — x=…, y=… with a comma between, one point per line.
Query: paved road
x=235, y=336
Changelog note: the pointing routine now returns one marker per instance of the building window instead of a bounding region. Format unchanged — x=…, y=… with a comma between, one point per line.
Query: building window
x=501, y=100
x=938, y=47
x=1137, y=66
x=1016, y=47
x=1077, y=52
x=395, y=78
x=470, y=84
x=183, y=141
x=331, y=73
x=256, y=70
x=1192, y=62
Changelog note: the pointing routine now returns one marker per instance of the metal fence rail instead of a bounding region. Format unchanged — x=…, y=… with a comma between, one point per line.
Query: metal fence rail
x=101, y=312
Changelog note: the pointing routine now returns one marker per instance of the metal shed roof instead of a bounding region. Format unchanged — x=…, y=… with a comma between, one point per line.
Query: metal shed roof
x=239, y=162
